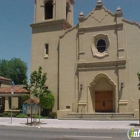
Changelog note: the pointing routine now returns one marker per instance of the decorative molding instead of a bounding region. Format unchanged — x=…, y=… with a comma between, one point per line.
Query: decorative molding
x=130, y=22
x=99, y=76
x=91, y=13
x=81, y=61
x=98, y=54
x=119, y=12
x=42, y=5
x=101, y=64
x=123, y=102
x=68, y=30
x=50, y=22
x=99, y=68
x=47, y=1
x=81, y=15
x=99, y=4
x=121, y=49
x=94, y=45
x=82, y=103
x=101, y=18
x=46, y=56
x=81, y=53
x=101, y=27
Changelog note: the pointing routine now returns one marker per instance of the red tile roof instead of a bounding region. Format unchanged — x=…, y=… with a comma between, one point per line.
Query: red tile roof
x=32, y=101
x=4, y=79
x=16, y=89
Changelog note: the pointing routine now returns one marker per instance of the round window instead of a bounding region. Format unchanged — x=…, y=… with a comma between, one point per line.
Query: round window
x=101, y=45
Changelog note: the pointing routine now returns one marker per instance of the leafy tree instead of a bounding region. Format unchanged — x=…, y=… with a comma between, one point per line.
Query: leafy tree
x=4, y=68
x=14, y=69
x=37, y=85
x=37, y=88
x=24, y=98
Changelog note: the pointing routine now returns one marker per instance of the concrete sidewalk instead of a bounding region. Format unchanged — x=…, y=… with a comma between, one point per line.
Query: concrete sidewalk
x=72, y=124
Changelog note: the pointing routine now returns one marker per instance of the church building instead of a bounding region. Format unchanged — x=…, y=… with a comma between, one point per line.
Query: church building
x=91, y=67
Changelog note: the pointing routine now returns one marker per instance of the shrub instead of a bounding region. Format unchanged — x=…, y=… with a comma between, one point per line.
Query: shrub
x=52, y=115
x=45, y=112
x=0, y=114
x=8, y=114
x=21, y=116
x=47, y=101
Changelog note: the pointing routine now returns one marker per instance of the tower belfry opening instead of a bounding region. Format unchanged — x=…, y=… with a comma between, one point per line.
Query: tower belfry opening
x=49, y=9
x=54, y=10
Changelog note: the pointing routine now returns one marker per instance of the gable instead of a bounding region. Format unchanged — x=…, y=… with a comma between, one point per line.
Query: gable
x=99, y=17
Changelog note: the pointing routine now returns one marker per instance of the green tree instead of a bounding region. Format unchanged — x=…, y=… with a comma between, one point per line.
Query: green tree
x=14, y=69
x=37, y=85
x=38, y=88
x=24, y=98
x=4, y=68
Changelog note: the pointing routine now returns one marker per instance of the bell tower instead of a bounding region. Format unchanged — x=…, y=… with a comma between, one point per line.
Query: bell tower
x=51, y=19
x=54, y=10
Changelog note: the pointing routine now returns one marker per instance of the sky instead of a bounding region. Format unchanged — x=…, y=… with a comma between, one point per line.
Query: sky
x=17, y=15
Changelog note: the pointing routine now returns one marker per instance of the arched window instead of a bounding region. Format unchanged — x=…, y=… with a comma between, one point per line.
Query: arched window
x=49, y=9
x=101, y=45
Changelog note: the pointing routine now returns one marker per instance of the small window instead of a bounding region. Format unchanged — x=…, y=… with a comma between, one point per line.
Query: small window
x=46, y=51
x=49, y=9
x=101, y=45
x=46, y=48
x=67, y=10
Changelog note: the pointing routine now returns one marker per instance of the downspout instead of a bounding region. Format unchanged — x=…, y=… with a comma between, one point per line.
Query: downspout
x=58, y=75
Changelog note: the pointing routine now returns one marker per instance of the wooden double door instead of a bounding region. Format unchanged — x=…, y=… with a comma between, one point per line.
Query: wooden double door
x=103, y=101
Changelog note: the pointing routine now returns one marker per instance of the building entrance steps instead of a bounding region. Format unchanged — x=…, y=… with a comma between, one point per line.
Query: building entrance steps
x=100, y=116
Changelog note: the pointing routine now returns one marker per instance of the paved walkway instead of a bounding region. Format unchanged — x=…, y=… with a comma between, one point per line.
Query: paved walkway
x=73, y=124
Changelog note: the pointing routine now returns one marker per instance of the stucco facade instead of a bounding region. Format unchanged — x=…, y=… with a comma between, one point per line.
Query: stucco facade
x=91, y=67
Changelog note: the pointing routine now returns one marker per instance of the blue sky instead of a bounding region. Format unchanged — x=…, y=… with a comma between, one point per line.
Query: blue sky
x=17, y=15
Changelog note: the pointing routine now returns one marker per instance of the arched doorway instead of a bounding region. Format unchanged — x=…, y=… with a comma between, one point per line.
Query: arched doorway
x=102, y=94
